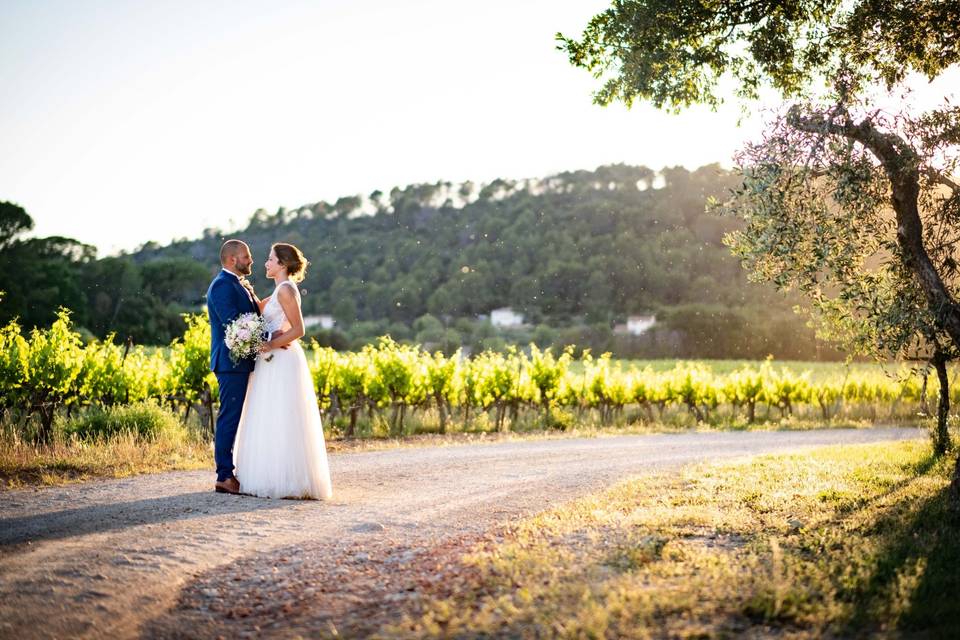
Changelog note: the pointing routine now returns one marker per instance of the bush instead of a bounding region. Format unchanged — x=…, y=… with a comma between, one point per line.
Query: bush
x=145, y=419
x=559, y=420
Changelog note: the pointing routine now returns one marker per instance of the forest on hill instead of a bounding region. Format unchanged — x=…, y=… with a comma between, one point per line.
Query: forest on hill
x=576, y=253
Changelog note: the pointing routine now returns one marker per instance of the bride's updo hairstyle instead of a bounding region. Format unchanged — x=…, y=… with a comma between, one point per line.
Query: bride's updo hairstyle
x=291, y=259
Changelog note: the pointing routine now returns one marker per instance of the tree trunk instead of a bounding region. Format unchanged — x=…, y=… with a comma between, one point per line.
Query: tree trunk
x=334, y=404
x=394, y=418
x=207, y=398
x=941, y=437
x=903, y=170
x=442, y=408
x=47, y=411
x=352, y=429
x=126, y=350
x=695, y=410
x=823, y=409
x=923, y=395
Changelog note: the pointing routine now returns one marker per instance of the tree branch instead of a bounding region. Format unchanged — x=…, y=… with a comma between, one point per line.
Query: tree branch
x=939, y=178
x=902, y=166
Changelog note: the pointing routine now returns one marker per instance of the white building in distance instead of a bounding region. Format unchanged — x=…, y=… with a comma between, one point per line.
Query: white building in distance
x=324, y=321
x=636, y=325
x=506, y=318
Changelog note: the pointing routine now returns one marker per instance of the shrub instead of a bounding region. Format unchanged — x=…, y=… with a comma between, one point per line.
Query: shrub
x=145, y=419
x=559, y=420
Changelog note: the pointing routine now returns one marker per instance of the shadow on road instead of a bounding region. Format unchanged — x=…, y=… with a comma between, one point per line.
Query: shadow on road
x=108, y=517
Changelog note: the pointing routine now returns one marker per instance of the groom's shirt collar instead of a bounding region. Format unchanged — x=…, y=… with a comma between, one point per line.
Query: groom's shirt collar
x=231, y=273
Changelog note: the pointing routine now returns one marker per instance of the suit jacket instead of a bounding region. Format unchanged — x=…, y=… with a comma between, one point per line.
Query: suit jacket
x=226, y=300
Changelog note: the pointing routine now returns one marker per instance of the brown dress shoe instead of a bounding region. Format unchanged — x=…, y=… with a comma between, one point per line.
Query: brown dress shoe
x=230, y=485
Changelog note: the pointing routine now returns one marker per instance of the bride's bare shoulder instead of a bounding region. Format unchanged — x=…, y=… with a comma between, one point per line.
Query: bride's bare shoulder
x=286, y=293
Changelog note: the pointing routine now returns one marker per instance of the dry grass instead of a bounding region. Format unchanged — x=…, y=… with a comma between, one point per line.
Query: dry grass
x=75, y=460
x=845, y=541
x=71, y=459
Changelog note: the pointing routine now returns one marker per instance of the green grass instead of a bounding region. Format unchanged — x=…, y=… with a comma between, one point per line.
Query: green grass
x=846, y=541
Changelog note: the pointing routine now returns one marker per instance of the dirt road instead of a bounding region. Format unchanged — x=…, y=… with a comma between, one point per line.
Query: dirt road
x=164, y=556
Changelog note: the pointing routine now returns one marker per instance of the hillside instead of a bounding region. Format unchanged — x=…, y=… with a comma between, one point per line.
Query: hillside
x=575, y=253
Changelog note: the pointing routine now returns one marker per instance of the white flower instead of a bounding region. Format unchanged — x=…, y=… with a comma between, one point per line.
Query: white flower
x=244, y=336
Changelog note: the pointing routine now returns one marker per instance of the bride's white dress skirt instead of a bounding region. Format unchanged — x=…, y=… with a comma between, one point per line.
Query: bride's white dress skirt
x=280, y=450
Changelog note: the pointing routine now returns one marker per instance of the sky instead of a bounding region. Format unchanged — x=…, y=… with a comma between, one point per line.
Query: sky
x=123, y=122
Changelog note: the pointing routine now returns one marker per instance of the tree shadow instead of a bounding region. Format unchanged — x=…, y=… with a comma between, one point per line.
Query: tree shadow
x=927, y=543
x=934, y=605
x=100, y=518
x=922, y=468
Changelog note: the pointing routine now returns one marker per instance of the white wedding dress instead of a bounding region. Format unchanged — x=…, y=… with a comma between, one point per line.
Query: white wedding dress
x=280, y=450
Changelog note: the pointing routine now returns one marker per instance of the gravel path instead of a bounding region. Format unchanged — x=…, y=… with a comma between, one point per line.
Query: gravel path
x=164, y=556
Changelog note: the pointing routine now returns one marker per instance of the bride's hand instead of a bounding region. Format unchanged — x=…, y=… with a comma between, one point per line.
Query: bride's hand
x=276, y=335
x=267, y=347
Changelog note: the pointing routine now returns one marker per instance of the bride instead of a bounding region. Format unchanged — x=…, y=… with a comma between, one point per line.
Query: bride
x=280, y=450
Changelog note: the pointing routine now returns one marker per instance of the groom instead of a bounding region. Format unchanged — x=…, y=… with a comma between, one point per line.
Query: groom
x=229, y=296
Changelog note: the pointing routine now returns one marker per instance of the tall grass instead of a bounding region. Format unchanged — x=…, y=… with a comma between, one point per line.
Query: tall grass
x=99, y=442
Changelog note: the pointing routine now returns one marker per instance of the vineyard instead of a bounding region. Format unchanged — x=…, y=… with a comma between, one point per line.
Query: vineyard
x=395, y=389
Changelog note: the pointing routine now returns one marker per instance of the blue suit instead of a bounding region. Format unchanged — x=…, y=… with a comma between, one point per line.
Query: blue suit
x=226, y=300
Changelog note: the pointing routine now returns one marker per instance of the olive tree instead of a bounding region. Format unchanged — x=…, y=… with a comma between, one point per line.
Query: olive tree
x=816, y=207
x=855, y=207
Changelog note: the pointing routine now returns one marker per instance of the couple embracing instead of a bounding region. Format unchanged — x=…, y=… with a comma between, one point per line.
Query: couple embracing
x=269, y=440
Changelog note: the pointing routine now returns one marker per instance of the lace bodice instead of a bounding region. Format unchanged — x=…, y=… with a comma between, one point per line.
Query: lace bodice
x=273, y=315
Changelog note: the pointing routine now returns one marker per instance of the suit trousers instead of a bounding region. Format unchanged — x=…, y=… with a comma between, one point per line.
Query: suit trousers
x=233, y=391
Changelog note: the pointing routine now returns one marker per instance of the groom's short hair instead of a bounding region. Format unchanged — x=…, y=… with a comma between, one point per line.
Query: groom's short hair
x=231, y=248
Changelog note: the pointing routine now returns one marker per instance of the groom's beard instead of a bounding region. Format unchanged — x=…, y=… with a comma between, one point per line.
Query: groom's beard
x=245, y=269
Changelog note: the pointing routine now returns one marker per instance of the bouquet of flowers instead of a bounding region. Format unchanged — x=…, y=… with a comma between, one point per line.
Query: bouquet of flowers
x=245, y=336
